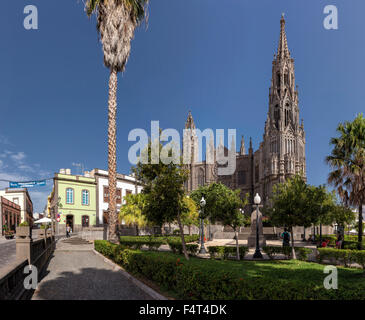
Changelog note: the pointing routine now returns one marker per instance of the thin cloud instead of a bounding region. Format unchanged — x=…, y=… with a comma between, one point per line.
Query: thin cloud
x=4, y=140
x=19, y=156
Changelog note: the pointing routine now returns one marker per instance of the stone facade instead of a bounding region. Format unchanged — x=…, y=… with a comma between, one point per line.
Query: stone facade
x=281, y=154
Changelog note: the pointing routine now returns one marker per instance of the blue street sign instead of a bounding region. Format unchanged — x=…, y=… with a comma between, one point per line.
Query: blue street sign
x=29, y=184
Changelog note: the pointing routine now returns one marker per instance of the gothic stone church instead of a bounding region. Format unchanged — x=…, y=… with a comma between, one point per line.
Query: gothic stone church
x=281, y=154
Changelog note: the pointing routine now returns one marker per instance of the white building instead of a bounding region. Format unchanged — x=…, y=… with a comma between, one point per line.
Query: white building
x=125, y=185
x=21, y=197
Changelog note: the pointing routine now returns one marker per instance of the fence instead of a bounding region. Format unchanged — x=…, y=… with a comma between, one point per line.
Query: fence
x=28, y=252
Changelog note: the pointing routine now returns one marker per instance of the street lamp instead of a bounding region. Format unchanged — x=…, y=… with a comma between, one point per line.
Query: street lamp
x=202, y=205
x=257, y=254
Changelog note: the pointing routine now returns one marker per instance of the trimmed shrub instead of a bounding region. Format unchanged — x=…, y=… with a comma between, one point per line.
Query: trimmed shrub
x=303, y=253
x=192, y=280
x=224, y=252
x=153, y=243
x=344, y=257
x=177, y=247
x=272, y=251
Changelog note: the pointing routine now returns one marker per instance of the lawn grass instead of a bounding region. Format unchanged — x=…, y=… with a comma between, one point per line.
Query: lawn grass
x=285, y=270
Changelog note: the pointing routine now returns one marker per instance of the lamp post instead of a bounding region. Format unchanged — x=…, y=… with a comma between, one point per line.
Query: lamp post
x=257, y=254
x=202, y=205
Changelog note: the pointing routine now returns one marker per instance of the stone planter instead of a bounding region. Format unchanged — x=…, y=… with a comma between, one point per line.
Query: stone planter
x=42, y=233
x=23, y=232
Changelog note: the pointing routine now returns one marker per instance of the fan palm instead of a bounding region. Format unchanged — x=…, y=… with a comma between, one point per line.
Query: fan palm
x=348, y=162
x=116, y=23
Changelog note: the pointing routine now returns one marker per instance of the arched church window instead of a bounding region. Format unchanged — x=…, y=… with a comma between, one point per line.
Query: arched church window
x=277, y=115
x=278, y=80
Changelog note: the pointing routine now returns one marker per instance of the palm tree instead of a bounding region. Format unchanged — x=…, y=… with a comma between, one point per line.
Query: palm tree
x=348, y=162
x=116, y=23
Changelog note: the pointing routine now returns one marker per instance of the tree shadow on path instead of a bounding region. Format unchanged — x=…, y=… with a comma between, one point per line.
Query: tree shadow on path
x=89, y=284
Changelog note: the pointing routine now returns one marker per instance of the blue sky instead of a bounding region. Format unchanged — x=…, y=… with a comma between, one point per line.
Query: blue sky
x=209, y=56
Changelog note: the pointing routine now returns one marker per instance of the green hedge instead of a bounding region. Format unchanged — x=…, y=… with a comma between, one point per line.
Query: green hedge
x=302, y=253
x=224, y=252
x=345, y=257
x=177, y=247
x=153, y=242
x=272, y=251
x=201, y=279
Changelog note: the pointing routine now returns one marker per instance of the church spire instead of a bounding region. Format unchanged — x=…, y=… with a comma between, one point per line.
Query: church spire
x=283, y=51
x=189, y=124
x=243, y=148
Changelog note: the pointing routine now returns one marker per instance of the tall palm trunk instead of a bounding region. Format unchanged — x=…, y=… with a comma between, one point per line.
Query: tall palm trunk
x=112, y=161
x=360, y=232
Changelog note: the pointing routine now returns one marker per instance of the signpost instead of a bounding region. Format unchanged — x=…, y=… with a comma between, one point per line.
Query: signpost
x=28, y=184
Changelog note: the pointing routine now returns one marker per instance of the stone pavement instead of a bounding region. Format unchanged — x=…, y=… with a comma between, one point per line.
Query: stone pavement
x=75, y=272
x=7, y=252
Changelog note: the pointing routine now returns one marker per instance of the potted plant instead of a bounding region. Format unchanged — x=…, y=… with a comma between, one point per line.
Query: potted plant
x=24, y=230
x=9, y=234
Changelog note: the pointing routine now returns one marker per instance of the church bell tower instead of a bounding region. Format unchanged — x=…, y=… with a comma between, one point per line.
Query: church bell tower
x=284, y=137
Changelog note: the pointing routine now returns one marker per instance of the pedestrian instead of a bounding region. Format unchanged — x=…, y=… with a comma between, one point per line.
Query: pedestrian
x=67, y=231
x=286, y=238
x=339, y=241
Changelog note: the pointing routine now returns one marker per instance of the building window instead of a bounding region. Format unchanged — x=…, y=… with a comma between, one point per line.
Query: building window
x=85, y=197
x=257, y=173
x=85, y=221
x=69, y=195
x=119, y=196
x=106, y=194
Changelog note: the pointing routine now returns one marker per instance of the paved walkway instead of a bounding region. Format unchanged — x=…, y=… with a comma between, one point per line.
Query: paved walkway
x=75, y=272
x=7, y=252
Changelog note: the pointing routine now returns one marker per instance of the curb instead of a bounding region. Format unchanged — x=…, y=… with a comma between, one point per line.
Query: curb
x=152, y=293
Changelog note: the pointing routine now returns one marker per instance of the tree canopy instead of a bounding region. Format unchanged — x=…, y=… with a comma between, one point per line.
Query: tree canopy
x=347, y=161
